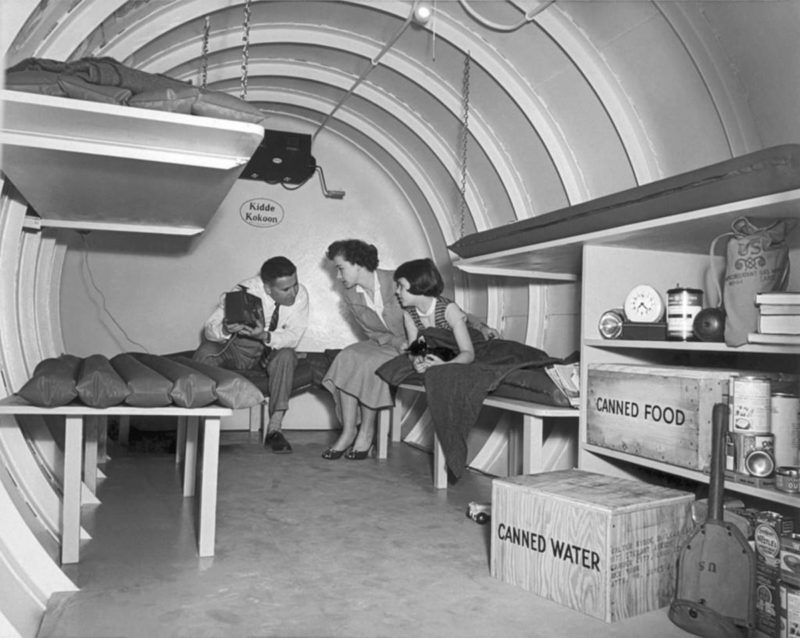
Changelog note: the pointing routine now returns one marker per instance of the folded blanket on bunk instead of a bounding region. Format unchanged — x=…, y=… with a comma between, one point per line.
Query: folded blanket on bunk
x=456, y=392
x=107, y=80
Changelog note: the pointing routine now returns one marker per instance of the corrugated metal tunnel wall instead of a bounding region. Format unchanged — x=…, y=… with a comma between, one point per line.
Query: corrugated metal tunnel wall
x=567, y=101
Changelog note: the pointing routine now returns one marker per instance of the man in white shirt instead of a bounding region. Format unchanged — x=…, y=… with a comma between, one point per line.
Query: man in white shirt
x=270, y=341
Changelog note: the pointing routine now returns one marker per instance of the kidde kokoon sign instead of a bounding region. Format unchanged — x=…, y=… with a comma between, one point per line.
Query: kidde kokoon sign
x=261, y=212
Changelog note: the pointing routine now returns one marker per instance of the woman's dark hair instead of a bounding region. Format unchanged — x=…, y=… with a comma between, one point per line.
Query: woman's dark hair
x=275, y=268
x=423, y=277
x=356, y=252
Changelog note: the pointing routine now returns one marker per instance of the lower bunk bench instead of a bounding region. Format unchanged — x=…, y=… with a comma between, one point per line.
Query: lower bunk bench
x=533, y=415
x=82, y=426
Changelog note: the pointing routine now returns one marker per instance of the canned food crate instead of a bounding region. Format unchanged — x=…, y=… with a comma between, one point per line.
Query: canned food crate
x=659, y=413
x=601, y=545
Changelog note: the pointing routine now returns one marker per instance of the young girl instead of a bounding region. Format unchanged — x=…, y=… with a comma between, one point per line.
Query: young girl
x=419, y=288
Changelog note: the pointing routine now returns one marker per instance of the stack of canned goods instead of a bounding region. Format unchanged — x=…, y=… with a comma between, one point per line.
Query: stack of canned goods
x=764, y=431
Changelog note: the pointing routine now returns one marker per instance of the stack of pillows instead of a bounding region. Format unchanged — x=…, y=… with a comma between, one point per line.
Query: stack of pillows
x=136, y=379
x=107, y=80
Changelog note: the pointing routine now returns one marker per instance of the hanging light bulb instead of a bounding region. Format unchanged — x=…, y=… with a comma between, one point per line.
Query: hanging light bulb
x=423, y=12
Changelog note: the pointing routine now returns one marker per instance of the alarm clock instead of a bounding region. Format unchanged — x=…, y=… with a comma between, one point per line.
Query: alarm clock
x=644, y=304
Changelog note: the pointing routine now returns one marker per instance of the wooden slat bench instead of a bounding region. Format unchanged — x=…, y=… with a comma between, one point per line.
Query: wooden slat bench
x=81, y=424
x=533, y=415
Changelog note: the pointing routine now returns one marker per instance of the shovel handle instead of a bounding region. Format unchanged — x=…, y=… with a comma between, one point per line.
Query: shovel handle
x=719, y=428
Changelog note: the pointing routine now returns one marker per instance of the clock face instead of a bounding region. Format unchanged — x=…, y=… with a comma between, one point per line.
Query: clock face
x=644, y=304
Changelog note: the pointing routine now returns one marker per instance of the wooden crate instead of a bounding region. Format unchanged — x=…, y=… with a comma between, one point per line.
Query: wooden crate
x=662, y=414
x=604, y=546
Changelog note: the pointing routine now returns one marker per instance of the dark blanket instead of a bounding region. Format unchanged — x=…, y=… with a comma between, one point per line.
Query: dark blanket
x=456, y=392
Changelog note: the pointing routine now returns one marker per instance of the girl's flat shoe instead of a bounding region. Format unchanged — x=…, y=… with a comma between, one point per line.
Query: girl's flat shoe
x=332, y=454
x=357, y=455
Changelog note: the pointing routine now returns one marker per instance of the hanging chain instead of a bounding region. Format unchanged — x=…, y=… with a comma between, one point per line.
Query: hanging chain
x=463, y=141
x=245, y=47
x=206, y=29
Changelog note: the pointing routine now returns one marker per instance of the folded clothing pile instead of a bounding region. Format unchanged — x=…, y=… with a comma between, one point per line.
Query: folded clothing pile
x=107, y=80
x=142, y=380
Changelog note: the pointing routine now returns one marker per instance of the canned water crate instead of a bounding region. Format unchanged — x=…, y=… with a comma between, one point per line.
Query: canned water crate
x=601, y=545
x=659, y=413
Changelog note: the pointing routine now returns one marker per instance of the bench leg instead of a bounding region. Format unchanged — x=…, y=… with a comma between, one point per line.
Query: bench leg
x=384, y=425
x=208, y=487
x=180, y=440
x=439, y=465
x=71, y=501
x=124, y=429
x=190, y=455
x=91, y=425
x=532, y=445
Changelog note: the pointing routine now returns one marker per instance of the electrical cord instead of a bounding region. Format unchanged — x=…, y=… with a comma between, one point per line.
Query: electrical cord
x=88, y=270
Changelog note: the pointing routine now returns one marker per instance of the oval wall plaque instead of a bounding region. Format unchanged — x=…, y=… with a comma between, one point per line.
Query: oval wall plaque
x=261, y=212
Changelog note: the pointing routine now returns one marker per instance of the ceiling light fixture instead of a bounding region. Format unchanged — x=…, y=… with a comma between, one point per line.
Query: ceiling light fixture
x=422, y=13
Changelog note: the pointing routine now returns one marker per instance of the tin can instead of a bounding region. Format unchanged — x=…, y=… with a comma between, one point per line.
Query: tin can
x=751, y=405
x=683, y=304
x=610, y=324
x=747, y=444
x=787, y=478
x=789, y=610
x=790, y=559
x=785, y=425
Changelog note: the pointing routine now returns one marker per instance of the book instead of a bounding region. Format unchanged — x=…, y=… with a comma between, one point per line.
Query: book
x=567, y=378
x=774, y=339
x=779, y=324
x=779, y=309
x=788, y=297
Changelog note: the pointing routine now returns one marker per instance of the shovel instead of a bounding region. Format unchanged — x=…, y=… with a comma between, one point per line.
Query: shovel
x=715, y=592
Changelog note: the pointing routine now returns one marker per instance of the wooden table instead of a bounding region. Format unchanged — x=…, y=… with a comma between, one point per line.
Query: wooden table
x=80, y=431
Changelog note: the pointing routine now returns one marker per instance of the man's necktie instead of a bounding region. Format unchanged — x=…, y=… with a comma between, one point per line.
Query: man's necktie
x=273, y=322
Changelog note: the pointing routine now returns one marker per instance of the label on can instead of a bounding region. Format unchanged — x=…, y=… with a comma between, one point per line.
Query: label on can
x=787, y=478
x=785, y=425
x=683, y=304
x=746, y=444
x=790, y=610
x=790, y=559
x=751, y=404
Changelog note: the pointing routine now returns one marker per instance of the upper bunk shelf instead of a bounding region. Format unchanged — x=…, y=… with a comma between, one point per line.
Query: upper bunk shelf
x=90, y=165
x=680, y=214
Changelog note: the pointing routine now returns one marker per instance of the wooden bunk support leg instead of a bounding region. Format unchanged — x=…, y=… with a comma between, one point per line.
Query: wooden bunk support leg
x=124, y=429
x=91, y=425
x=180, y=440
x=532, y=445
x=190, y=455
x=208, y=486
x=439, y=465
x=71, y=503
x=384, y=425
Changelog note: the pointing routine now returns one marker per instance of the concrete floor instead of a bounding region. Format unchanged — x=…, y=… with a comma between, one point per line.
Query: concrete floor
x=305, y=548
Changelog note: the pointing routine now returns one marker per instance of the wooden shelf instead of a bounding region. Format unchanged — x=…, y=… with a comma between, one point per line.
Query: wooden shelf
x=767, y=494
x=93, y=166
x=690, y=232
x=690, y=346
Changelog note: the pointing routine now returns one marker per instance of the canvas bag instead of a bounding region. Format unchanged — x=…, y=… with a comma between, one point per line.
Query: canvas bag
x=756, y=260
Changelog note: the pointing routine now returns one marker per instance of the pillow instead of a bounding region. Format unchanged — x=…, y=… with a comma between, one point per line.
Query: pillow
x=190, y=388
x=42, y=82
x=53, y=382
x=38, y=64
x=222, y=105
x=75, y=87
x=134, y=79
x=172, y=100
x=99, y=385
x=232, y=389
x=146, y=387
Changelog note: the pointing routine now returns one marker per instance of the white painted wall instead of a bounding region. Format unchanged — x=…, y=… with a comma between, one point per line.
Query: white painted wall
x=161, y=289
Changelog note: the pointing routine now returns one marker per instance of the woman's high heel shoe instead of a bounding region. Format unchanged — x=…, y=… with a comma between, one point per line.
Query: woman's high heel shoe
x=332, y=454
x=358, y=455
